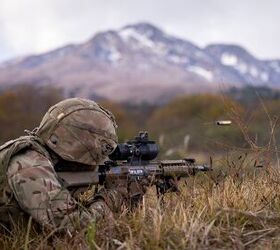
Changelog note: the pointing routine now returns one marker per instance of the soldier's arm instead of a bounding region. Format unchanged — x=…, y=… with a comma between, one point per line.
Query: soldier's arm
x=33, y=180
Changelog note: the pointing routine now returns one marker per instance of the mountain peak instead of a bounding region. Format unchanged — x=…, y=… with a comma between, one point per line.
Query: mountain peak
x=143, y=27
x=140, y=62
x=146, y=30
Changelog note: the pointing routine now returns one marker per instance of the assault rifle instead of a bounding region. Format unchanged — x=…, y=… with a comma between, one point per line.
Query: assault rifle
x=133, y=160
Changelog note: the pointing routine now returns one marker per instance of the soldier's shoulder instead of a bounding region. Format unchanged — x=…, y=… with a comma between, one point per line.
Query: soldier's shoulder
x=21, y=139
x=24, y=149
x=29, y=158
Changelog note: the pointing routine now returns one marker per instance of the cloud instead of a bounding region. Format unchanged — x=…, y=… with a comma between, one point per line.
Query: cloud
x=29, y=26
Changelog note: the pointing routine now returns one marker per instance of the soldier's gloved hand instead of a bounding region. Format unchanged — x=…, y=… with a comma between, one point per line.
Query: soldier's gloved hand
x=137, y=188
x=167, y=185
x=132, y=191
x=118, y=184
x=129, y=188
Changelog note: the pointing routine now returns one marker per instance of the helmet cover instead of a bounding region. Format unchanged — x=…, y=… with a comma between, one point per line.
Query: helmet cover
x=79, y=130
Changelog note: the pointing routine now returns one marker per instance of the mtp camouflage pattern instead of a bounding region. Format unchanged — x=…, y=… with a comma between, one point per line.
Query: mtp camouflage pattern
x=74, y=130
x=79, y=130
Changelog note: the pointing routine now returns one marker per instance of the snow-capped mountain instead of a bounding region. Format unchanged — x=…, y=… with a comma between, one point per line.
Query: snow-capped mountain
x=141, y=63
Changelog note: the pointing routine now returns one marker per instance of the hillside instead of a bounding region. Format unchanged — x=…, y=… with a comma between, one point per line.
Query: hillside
x=141, y=63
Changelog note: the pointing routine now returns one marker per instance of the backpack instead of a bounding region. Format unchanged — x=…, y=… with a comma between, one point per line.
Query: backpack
x=9, y=208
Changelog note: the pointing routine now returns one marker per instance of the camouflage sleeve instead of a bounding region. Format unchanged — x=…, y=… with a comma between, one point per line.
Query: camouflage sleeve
x=35, y=185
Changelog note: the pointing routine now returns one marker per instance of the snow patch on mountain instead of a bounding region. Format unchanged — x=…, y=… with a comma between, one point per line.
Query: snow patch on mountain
x=242, y=67
x=264, y=76
x=177, y=59
x=131, y=34
x=206, y=74
x=254, y=71
x=229, y=59
x=114, y=56
x=174, y=65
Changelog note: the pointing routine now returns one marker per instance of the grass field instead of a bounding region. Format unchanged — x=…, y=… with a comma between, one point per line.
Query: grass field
x=236, y=206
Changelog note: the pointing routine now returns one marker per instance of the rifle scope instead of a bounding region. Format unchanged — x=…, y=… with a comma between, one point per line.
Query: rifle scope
x=139, y=149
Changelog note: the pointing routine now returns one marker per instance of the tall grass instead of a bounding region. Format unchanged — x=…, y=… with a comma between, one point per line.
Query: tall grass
x=237, y=206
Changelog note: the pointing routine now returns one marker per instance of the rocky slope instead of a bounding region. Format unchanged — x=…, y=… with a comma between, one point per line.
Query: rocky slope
x=141, y=63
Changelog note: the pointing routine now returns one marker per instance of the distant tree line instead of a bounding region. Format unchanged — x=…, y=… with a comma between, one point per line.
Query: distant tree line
x=249, y=95
x=23, y=106
x=185, y=124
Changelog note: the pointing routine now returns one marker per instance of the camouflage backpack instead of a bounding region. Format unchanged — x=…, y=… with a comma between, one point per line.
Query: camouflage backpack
x=8, y=205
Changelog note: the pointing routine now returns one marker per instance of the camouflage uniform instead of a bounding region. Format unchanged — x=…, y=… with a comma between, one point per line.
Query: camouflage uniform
x=77, y=131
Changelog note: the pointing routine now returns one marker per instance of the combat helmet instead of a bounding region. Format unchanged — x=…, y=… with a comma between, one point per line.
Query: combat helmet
x=79, y=130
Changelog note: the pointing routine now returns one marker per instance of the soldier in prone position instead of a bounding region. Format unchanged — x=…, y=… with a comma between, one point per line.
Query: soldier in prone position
x=75, y=133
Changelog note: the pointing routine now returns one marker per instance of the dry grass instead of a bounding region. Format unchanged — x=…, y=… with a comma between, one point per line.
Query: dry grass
x=237, y=206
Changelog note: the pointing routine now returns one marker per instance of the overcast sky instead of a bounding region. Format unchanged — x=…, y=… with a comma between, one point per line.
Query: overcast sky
x=34, y=26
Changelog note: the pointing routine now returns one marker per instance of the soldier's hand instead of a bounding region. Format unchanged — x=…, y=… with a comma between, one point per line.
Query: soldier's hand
x=127, y=187
x=118, y=184
x=137, y=187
